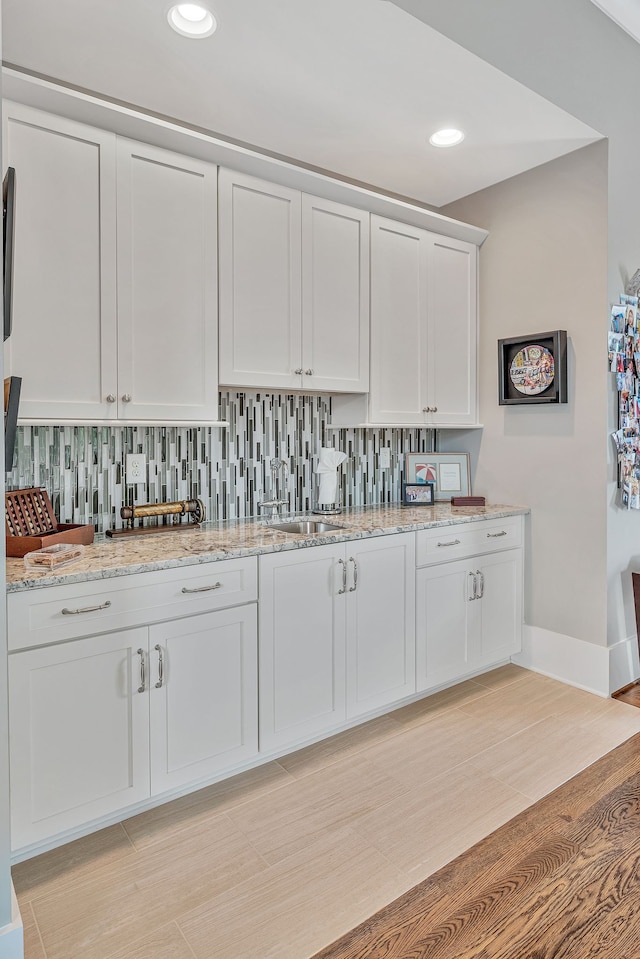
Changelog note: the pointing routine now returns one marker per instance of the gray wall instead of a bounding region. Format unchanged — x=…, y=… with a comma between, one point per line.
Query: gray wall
x=574, y=55
x=543, y=267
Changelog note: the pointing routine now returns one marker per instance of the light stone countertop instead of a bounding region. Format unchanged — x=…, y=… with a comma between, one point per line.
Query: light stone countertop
x=107, y=558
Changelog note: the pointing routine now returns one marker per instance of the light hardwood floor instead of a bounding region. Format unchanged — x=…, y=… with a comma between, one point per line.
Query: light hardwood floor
x=282, y=860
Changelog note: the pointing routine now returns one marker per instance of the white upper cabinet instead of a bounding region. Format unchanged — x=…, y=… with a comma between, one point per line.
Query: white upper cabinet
x=294, y=281
x=423, y=331
x=423, y=327
x=63, y=343
x=452, y=332
x=335, y=296
x=115, y=294
x=398, y=322
x=260, y=295
x=167, y=290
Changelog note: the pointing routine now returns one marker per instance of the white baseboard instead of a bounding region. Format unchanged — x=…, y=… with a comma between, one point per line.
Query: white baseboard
x=624, y=667
x=566, y=658
x=12, y=935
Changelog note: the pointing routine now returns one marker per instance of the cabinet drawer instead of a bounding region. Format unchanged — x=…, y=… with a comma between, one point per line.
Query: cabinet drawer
x=36, y=617
x=467, y=539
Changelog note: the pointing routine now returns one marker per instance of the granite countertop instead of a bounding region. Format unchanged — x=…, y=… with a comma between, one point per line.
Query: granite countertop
x=107, y=558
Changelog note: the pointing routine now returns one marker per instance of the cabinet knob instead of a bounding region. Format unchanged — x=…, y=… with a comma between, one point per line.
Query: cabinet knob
x=299, y=371
x=126, y=397
x=434, y=409
x=308, y=372
x=111, y=398
x=426, y=409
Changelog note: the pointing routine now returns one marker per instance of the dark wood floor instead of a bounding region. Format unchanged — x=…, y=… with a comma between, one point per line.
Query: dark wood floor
x=630, y=695
x=560, y=881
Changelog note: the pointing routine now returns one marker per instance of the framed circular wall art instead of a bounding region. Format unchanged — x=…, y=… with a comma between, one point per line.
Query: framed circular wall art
x=533, y=369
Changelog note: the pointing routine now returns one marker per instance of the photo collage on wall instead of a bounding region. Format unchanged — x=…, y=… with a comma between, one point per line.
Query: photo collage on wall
x=624, y=362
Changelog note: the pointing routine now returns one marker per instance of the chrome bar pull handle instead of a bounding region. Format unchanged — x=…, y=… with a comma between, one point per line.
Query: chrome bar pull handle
x=143, y=672
x=473, y=592
x=353, y=588
x=158, y=649
x=496, y=535
x=86, y=609
x=452, y=542
x=344, y=576
x=481, y=577
x=202, y=589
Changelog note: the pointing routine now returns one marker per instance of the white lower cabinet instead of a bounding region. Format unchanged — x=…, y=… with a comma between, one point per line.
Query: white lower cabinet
x=469, y=616
x=381, y=636
x=126, y=690
x=79, y=733
x=100, y=723
x=203, y=696
x=302, y=644
x=337, y=635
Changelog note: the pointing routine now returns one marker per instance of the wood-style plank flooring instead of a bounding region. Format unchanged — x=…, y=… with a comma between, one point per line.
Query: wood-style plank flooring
x=562, y=879
x=629, y=695
x=287, y=858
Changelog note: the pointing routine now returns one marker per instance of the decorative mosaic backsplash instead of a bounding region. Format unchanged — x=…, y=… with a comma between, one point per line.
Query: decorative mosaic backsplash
x=83, y=467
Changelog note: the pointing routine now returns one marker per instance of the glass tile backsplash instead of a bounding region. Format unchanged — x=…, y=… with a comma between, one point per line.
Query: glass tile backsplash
x=83, y=467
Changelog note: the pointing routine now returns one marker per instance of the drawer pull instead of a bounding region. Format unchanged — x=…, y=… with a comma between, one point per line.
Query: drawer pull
x=158, y=649
x=143, y=672
x=496, y=535
x=344, y=577
x=480, y=576
x=86, y=609
x=474, y=588
x=202, y=589
x=353, y=588
x=452, y=542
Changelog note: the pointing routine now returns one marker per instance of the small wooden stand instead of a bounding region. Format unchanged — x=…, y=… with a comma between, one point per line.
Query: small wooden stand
x=188, y=507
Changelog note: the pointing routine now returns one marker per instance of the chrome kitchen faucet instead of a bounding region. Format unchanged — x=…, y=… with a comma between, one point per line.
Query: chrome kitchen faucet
x=279, y=479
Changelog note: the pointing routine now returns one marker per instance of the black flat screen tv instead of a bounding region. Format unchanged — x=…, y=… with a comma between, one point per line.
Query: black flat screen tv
x=8, y=229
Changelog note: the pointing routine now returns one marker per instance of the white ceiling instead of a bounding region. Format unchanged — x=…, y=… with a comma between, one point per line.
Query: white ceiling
x=351, y=86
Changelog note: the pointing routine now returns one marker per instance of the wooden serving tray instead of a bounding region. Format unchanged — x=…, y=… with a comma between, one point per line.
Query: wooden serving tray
x=31, y=523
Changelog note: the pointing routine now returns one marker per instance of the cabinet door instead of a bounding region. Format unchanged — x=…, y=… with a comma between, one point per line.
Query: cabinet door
x=398, y=322
x=79, y=730
x=447, y=623
x=335, y=296
x=203, y=696
x=381, y=651
x=260, y=297
x=167, y=286
x=63, y=343
x=452, y=332
x=302, y=644
x=500, y=606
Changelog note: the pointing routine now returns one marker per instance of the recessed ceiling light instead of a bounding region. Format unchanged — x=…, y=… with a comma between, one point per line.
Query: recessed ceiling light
x=446, y=138
x=192, y=20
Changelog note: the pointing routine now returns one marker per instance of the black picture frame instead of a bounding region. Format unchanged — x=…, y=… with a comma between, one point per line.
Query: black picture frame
x=555, y=342
x=12, y=386
x=8, y=240
x=418, y=494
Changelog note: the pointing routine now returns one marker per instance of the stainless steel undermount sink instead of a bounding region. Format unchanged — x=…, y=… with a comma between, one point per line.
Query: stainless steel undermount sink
x=304, y=526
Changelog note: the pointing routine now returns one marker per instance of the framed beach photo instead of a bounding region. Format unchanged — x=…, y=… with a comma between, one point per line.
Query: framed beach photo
x=418, y=494
x=450, y=473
